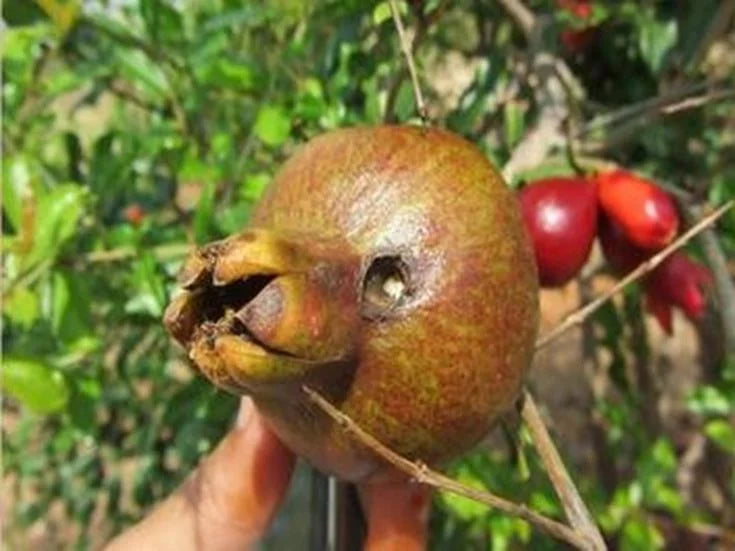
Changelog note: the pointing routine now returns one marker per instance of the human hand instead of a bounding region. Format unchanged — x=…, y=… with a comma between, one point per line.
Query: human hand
x=229, y=501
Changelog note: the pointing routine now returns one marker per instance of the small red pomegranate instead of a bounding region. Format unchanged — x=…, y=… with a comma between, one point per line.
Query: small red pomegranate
x=134, y=214
x=388, y=269
x=560, y=215
x=646, y=214
x=677, y=281
x=622, y=255
x=579, y=8
x=576, y=39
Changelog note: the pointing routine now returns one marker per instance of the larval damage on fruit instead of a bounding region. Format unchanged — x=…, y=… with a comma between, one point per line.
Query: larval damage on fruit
x=387, y=268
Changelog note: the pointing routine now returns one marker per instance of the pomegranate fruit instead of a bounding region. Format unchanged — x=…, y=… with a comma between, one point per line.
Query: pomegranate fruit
x=387, y=268
x=560, y=215
x=677, y=281
x=622, y=255
x=576, y=39
x=134, y=214
x=646, y=214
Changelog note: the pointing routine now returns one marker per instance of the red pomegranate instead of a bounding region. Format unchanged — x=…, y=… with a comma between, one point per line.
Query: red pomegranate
x=646, y=214
x=677, y=281
x=560, y=215
x=622, y=255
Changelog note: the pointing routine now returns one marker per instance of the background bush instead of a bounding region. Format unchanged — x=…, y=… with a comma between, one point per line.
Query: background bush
x=134, y=129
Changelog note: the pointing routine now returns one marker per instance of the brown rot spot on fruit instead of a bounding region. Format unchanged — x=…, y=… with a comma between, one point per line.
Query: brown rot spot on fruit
x=385, y=286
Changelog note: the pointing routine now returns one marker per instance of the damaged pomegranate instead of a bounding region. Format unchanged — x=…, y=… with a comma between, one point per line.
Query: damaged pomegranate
x=385, y=267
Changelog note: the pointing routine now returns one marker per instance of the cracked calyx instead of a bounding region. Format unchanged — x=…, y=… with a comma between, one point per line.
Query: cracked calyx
x=259, y=310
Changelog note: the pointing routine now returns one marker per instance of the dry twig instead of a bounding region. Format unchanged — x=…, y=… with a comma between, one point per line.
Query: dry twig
x=574, y=507
x=408, y=54
x=577, y=317
x=424, y=475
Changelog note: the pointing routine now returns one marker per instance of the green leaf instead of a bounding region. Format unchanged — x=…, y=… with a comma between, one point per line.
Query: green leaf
x=405, y=102
x=17, y=189
x=656, y=38
x=272, y=125
x=254, y=185
x=138, y=68
x=234, y=217
x=709, y=400
x=228, y=74
x=639, y=535
x=204, y=214
x=513, y=123
x=462, y=507
x=70, y=307
x=381, y=13
x=57, y=220
x=162, y=20
x=150, y=292
x=34, y=384
x=553, y=166
x=22, y=307
x=722, y=433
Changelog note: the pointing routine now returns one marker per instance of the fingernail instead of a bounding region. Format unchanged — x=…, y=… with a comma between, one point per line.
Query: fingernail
x=245, y=414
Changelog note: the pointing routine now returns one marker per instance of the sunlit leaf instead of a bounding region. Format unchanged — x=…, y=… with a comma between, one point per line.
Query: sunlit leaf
x=722, y=433
x=272, y=125
x=21, y=306
x=17, y=189
x=34, y=384
x=135, y=66
x=656, y=39
x=639, y=534
x=150, y=292
x=513, y=115
x=57, y=219
x=62, y=12
x=465, y=508
x=710, y=400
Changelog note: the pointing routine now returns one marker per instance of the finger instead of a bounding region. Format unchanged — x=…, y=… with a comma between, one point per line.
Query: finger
x=228, y=502
x=244, y=480
x=397, y=515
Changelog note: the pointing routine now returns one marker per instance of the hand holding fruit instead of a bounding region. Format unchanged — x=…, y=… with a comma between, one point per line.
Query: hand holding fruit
x=230, y=500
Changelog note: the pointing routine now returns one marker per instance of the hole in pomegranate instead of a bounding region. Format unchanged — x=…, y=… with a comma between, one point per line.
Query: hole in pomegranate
x=385, y=286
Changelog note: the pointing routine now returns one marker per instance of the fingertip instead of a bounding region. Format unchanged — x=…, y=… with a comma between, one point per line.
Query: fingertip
x=397, y=515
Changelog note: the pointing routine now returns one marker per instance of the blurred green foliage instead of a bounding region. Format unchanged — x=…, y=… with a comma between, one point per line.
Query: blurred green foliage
x=134, y=129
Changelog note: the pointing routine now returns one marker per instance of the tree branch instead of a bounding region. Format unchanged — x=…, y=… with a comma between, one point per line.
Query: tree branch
x=574, y=507
x=424, y=475
x=523, y=17
x=408, y=54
